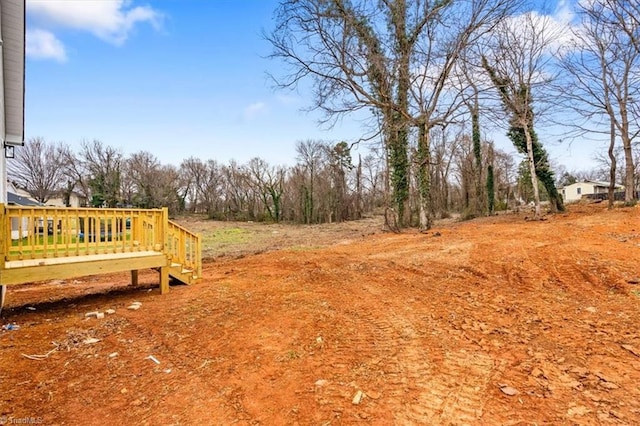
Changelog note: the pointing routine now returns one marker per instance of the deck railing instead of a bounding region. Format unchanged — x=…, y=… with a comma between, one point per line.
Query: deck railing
x=45, y=232
x=32, y=233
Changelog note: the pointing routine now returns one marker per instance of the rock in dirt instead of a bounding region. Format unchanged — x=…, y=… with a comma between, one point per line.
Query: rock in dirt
x=357, y=398
x=321, y=382
x=91, y=314
x=134, y=306
x=90, y=341
x=536, y=372
x=631, y=349
x=634, y=280
x=110, y=311
x=609, y=385
x=373, y=394
x=591, y=309
x=580, y=410
x=508, y=390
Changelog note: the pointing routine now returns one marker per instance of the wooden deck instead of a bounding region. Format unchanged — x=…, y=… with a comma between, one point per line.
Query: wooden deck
x=43, y=243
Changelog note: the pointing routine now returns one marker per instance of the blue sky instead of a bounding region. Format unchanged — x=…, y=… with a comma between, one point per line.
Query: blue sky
x=178, y=78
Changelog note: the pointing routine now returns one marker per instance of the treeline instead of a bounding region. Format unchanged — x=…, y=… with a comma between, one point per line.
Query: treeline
x=326, y=184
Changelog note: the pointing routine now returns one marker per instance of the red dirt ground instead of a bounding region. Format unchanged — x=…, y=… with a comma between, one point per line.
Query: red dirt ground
x=494, y=321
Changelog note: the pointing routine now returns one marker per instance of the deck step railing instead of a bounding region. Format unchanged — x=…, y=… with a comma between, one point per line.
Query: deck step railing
x=184, y=248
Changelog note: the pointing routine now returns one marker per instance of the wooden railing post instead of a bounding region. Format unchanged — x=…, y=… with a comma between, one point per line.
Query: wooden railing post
x=165, y=230
x=199, y=255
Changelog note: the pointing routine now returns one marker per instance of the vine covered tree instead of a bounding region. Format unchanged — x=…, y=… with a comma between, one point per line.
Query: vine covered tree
x=393, y=58
x=519, y=58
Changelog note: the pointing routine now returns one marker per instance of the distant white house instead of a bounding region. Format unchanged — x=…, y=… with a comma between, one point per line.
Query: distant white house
x=58, y=200
x=576, y=191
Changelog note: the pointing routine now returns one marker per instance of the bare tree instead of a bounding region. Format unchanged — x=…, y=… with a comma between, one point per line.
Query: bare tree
x=239, y=200
x=310, y=155
x=518, y=66
x=38, y=168
x=373, y=180
x=143, y=169
x=603, y=84
x=268, y=182
x=99, y=168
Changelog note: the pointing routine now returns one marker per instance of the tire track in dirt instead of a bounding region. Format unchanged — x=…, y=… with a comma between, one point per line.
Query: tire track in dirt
x=441, y=385
x=444, y=388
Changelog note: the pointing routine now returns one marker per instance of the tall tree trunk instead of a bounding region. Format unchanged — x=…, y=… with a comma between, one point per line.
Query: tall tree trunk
x=532, y=170
x=629, y=181
x=399, y=162
x=401, y=125
x=359, y=207
x=612, y=169
x=477, y=154
x=491, y=202
x=424, y=177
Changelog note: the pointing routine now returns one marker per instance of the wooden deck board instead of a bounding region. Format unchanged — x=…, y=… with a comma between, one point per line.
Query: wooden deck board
x=77, y=259
x=78, y=266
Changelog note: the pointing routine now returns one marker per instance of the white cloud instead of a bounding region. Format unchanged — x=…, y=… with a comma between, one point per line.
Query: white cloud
x=254, y=110
x=41, y=44
x=109, y=20
x=287, y=99
x=564, y=13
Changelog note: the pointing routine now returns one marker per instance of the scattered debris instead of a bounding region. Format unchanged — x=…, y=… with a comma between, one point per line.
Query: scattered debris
x=357, y=398
x=40, y=357
x=90, y=341
x=113, y=354
x=135, y=306
x=154, y=359
x=31, y=308
x=110, y=311
x=11, y=327
x=166, y=370
x=91, y=314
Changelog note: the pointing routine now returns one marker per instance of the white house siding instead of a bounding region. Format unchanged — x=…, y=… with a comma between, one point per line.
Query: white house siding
x=575, y=191
x=18, y=232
